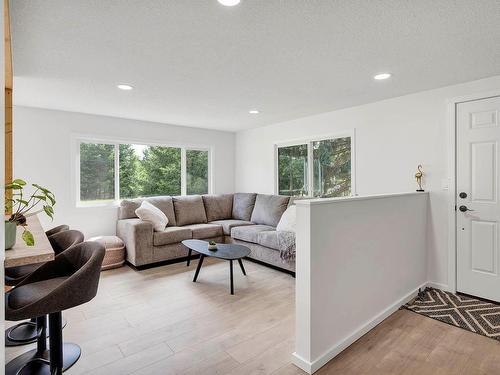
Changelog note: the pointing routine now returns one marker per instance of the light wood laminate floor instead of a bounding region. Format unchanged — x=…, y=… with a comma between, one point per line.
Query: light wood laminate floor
x=158, y=321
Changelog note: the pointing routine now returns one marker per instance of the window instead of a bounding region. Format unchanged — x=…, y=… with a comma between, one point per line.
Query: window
x=113, y=171
x=327, y=163
x=97, y=172
x=197, y=172
x=292, y=165
x=147, y=171
x=332, y=167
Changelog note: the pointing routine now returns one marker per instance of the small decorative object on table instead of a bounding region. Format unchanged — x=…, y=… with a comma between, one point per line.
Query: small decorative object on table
x=20, y=205
x=418, y=177
x=212, y=246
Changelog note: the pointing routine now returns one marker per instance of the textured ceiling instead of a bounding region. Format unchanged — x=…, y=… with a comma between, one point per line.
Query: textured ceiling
x=197, y=63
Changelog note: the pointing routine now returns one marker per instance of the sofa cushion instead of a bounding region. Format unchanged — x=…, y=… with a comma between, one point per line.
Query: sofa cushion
x=189, y=210
x=218, y=207
x=164, y=203
x=269, y=208
x=128, y=207
x=268, y=239
x=171, y=235
x=201, y=231
x=227, y=225
x=249, y=233
x=243, y=204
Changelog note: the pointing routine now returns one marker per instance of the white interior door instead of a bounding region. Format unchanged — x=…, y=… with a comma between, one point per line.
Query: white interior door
x=478, y=194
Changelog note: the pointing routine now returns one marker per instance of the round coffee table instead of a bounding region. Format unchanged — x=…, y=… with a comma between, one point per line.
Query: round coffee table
x=224, y=251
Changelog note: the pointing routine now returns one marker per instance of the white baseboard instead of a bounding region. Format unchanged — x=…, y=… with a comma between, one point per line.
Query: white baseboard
x=312, y=367
x=445, y=287
x=301, y=363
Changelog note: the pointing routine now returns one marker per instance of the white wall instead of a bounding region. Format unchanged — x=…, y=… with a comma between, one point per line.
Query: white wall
x=42, y=154
x=392, y=137
x=353, y=269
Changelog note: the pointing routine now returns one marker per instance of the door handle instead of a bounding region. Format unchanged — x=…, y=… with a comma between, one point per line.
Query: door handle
x=464, y=209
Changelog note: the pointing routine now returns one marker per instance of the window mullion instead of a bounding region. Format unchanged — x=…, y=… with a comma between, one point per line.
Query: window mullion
x=210, y=182
x=78, y=172
x=117, y=172
x=183, y=172
x=310, y=169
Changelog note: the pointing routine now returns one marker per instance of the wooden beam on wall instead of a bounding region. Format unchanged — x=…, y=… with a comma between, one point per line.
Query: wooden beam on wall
x=8, y=136
x=8, y=95
x=9, y=78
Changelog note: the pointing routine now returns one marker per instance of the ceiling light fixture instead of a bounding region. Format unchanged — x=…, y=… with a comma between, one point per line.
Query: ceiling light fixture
x=253, y=112
x=229, y=3
x=124, y=87
x=382, y=76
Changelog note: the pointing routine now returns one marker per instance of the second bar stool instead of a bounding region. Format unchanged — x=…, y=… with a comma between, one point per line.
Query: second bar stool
x=70, y=280
x=26, y=332
x=59, y=228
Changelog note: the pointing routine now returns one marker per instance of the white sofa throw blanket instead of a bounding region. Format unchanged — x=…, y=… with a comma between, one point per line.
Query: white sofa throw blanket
x=286, y=234
x=286, y=243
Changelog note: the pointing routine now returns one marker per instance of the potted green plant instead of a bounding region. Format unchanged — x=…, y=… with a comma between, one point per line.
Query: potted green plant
x=21, y=205
x=212, y=246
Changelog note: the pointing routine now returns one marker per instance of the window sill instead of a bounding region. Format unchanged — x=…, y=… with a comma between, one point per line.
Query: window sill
x=110, y=204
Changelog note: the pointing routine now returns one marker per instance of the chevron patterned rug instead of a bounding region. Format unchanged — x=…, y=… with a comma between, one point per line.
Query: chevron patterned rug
x=469, y=313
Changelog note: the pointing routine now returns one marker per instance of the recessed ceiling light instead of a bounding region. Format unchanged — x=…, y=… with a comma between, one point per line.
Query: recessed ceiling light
x=253, y=112
x=124, y=87
x=382, y=76
x=229, y=3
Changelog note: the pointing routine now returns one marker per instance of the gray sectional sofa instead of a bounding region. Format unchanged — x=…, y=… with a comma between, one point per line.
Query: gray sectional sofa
x=244, y=218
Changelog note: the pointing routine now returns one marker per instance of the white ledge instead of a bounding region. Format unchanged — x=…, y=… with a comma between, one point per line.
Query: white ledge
x=316, y=201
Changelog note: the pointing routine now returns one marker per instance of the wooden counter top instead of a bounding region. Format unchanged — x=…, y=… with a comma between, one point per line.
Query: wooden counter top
x=20, y=254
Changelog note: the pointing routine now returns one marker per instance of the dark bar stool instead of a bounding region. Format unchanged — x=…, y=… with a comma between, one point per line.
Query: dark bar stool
x=68, y=281
x=26, y=332
x=60, y=241
x=60, y=228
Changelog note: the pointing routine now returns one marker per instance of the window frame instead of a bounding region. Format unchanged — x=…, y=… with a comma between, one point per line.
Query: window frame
x=78, y=139
x=310, y=158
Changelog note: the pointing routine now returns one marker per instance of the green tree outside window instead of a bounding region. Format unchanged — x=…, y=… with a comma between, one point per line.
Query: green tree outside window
x=331, y=168
x=143, y=171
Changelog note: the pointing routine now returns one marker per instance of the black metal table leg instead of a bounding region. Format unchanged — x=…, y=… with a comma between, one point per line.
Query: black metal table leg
x=241, y=266
x=41, y=342
x=189, y=257
x=198, y=267
x=231, y=275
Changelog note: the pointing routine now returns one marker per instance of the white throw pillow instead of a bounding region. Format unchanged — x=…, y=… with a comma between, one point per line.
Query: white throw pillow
x=288, y=219
x=152, y=214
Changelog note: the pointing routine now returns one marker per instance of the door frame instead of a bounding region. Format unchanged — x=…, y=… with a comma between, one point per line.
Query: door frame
x=452, y=180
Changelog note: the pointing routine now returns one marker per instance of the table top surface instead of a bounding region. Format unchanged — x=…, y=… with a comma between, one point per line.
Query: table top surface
x=21, y=254
x=224, y=251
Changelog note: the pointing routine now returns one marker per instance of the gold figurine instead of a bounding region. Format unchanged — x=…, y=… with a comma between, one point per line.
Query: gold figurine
x=418, y=177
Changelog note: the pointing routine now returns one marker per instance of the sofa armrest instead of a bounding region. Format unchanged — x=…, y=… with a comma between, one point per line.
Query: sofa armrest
x=138, y=238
